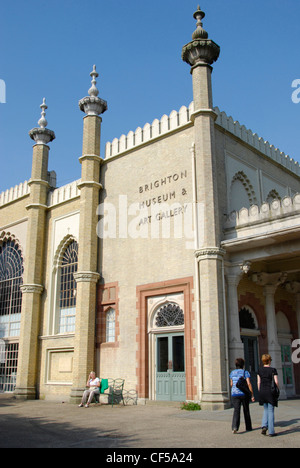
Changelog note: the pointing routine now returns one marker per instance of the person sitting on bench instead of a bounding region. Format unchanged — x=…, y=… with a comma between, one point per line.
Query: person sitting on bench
x=93, y=385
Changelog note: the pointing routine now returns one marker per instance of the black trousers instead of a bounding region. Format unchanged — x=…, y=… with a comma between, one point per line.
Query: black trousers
x=237, y=402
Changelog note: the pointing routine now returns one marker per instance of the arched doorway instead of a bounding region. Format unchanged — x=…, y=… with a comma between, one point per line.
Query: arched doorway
x=168, y=342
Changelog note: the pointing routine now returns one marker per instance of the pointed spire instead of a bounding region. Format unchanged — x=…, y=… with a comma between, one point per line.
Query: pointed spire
x=93, y=91
x=42, y=135
x=92, y=104
x=43, y=122
x=200, y=50
x=200, y=33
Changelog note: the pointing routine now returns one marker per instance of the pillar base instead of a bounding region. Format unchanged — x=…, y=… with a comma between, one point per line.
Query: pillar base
x=76, y=395
x=26, y=393
x=215, y=401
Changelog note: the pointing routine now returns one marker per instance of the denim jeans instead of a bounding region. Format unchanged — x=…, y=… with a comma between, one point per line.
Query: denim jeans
x=268, y=417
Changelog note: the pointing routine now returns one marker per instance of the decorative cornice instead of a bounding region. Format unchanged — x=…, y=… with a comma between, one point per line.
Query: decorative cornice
x=39, y=181
x=267, y=212
x=201, y=51
x=92, y=105
x=90, y=157
x=293, y=287
x=32, y=288
x=207, y=112
x=210, y=252
x=90, y=183
x=36, y=206
x=86, y=277
x=272, y=280
x=42, y=136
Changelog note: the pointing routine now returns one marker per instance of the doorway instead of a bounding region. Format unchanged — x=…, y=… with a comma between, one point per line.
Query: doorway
x=251, y=360
x=170, y=367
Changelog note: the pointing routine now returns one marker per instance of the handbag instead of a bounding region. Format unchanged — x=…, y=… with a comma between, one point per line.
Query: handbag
x=274, y=389
x=243, y=386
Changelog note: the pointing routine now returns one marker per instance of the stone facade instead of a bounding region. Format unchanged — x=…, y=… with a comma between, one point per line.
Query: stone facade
x=191, y=214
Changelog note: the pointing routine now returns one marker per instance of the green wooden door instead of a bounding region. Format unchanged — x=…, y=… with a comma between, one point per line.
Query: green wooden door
x=170, y=368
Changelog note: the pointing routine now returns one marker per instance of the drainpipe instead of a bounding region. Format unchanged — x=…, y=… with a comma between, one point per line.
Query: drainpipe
x=225, y=328
x=197, y=279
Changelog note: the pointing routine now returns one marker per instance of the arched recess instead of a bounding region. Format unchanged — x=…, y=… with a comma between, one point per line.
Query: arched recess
x=242, y=194
x=273, y=195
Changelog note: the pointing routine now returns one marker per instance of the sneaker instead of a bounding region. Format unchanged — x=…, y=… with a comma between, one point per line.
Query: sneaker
x=264, y=431
x=234, y=431
x=87, y=406
x=80, y=406
x=272, y=435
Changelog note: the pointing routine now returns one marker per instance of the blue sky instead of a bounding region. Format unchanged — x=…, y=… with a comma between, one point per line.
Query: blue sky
x=49, y=48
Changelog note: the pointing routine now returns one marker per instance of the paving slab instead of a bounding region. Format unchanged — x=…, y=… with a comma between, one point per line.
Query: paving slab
x=49, y=424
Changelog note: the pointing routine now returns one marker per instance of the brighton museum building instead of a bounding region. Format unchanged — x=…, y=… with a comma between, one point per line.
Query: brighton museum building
x=175, y=253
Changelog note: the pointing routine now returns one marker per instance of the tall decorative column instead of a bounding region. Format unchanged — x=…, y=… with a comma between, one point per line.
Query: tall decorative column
x=87, y=275
x=200, y=54
x=234, y=274
x=33, y=287
x=270, y=283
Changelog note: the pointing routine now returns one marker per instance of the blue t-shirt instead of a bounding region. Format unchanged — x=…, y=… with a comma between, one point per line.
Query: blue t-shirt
x=235, y=376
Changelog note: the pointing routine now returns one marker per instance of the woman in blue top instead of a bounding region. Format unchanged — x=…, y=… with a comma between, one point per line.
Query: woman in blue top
x=239, y=398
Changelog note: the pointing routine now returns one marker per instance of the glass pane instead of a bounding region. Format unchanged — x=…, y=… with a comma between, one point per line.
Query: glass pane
x=286, y=354
x=162, y=354
x=178, y=354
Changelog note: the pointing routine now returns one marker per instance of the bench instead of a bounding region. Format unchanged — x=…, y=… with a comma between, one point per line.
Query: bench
x=113, y=388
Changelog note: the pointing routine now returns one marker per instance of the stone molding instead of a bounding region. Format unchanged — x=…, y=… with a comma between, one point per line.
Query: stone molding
x=90, y=157
x=90, y=183
x=92, y=105
x=42, y=136
x=288, y=206
x=207, y=112
x=270, y=281
x=86, y=277
x=32, y=288
x=210, y=253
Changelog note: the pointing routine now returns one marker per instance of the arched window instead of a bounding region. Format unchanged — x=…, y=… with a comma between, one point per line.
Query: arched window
x=110, y=325
x=169, y=315
x=67, y=298
x=11, y=273
x=247, y=319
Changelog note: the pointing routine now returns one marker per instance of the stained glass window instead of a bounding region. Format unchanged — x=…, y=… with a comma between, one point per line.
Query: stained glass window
x=169, y=315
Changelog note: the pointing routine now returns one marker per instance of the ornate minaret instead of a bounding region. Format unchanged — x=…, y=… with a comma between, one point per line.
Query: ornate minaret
x=87, y=275
x=33, y=274
x=201, y=53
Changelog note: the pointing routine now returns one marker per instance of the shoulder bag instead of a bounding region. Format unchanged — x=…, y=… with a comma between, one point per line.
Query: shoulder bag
x=243, y=386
